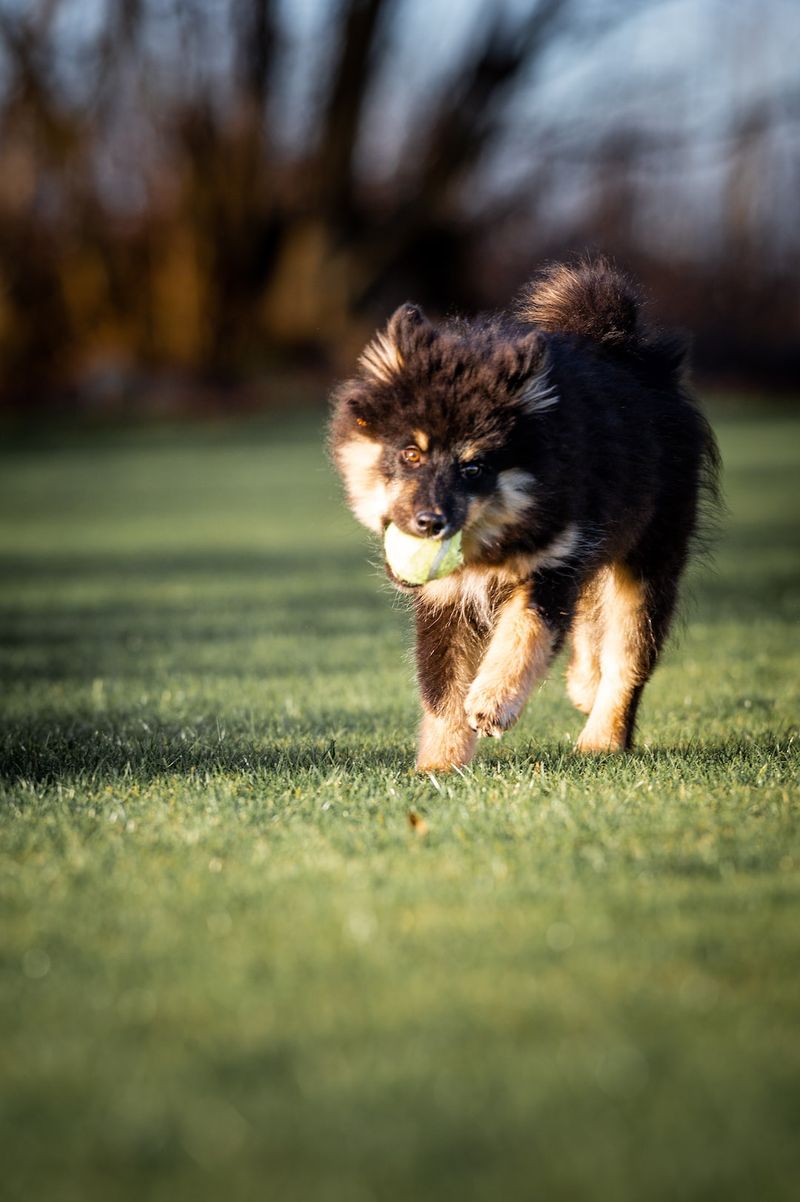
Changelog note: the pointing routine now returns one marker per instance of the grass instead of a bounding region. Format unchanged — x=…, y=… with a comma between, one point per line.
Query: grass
x=231, y=967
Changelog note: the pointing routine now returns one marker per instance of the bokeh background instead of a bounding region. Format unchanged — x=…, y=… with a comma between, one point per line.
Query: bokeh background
x=210, y=203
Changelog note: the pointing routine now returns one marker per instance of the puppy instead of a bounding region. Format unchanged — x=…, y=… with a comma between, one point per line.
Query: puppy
x=562, y=441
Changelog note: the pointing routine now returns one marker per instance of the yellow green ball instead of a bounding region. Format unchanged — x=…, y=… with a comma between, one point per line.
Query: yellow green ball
x=418, y=560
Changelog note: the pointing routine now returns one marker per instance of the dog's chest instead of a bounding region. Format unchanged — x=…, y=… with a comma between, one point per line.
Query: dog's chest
x=478, y=592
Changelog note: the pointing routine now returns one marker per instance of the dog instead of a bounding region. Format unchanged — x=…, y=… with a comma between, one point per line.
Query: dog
x=562, y=440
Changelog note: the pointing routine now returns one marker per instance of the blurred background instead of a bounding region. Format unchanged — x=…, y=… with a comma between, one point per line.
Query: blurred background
x=209, y=204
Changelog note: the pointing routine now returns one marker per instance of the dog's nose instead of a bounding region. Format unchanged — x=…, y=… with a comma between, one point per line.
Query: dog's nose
x=429, y=524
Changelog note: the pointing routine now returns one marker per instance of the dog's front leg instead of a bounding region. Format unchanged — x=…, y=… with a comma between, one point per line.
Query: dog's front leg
x=520, y=651
x=449, y=648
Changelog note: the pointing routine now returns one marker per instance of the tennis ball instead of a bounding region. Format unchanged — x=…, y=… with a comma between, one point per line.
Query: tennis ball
x=418, y=560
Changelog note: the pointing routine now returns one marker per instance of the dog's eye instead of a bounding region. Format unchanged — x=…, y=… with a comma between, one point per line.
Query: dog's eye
x=471, y=471
x=412, y=456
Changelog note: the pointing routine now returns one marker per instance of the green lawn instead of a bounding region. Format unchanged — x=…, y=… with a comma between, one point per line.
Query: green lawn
x=231, y=968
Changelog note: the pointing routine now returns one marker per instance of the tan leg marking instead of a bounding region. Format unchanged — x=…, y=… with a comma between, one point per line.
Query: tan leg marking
x=519, y=654
x=583, y=674
x=444, y=743
x=624, y=661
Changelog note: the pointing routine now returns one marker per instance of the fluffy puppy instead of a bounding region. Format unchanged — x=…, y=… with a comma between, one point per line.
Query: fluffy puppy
x=562, y=441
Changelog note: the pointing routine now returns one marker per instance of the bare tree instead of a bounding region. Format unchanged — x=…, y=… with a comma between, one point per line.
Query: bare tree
x=151, y=211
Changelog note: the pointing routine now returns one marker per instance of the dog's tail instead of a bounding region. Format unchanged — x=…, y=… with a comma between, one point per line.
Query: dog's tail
x=595, y=300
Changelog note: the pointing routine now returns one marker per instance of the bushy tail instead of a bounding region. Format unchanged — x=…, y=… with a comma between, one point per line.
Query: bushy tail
x=593, y=299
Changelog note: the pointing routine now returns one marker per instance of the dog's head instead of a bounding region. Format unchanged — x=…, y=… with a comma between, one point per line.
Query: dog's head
x=429, y=434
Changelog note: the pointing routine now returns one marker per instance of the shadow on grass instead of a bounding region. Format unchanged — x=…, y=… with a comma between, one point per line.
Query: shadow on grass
x=125, y=642
x=736, y=756
x=90, y=750
x=47, y=753
x=219, y=602
x=715, y=595
x=155, y=567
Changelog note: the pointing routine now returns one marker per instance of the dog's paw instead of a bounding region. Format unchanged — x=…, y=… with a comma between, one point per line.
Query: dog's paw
x=489, y=712
x=599, y=737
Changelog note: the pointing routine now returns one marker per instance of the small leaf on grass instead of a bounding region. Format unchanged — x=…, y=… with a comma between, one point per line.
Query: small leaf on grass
x=417, y=823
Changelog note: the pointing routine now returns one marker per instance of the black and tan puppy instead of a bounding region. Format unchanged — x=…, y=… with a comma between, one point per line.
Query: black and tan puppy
x=563, y=444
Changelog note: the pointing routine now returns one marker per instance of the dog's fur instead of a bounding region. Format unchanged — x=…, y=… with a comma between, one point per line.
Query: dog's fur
x=563, y=442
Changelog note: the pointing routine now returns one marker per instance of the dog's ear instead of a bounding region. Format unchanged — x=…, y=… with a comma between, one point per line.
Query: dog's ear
x=529, y=384
x=406, y=324
x=407, y=330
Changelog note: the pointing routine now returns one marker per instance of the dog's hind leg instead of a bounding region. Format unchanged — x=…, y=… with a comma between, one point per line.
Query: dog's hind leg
x=634, y=619
x=583, y=674
x=449, y=648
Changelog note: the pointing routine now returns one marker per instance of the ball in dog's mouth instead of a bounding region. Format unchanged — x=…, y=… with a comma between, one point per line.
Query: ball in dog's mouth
x=415, y=561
